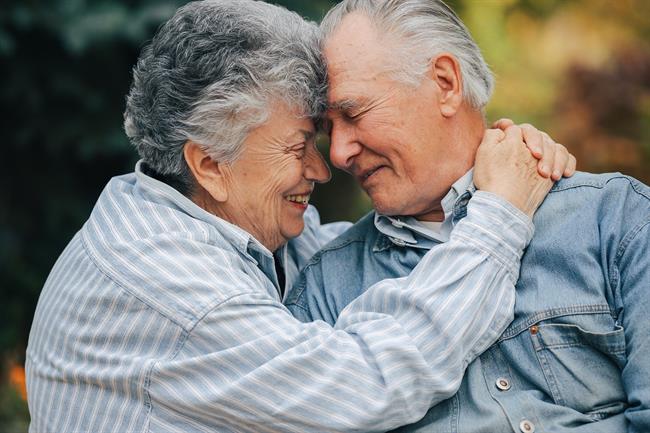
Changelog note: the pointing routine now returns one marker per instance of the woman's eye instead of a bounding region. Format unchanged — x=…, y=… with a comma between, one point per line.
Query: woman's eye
x=299, y=150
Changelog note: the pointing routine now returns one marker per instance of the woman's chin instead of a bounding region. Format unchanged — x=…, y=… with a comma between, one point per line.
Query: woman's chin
x=293, y=230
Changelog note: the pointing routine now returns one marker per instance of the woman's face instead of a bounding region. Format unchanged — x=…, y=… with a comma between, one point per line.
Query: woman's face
x=270, y=184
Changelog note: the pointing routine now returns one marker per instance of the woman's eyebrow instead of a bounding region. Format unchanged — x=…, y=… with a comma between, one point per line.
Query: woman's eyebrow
x=301, y=134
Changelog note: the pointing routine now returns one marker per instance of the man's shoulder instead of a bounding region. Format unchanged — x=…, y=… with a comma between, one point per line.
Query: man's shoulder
x=605, y=194
x=597, y=211
x=607, y=182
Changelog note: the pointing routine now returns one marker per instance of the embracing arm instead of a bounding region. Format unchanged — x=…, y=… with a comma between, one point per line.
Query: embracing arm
x=399, y=348
x=395, y=351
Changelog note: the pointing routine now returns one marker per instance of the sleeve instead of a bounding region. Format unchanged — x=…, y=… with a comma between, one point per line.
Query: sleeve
x=396, y=350
x=633, y=265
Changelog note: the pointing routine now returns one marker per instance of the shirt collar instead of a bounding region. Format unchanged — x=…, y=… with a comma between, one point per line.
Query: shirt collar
x=163, y=193
x=401, y=231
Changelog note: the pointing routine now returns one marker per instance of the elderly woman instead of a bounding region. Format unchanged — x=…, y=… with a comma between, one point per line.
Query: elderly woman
x=165, y=314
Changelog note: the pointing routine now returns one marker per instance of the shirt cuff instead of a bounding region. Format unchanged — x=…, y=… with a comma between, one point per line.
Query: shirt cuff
x=497, y=227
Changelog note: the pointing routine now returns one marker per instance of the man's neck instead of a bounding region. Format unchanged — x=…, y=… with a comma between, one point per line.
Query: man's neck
x=468, y=128
x=444, y=206
x=436, y=214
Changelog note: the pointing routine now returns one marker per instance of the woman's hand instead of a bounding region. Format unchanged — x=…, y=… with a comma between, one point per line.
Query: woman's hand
x=555, y=161
x=505, y=166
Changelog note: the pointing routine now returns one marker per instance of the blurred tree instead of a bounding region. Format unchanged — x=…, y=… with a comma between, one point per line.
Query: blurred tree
x=606, y=113
x=576, y=69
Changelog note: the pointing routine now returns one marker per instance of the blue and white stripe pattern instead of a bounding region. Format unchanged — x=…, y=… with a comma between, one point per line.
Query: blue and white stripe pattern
x=160, y=317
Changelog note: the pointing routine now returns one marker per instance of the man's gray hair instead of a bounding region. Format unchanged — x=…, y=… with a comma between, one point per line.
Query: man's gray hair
x=422, y=29
x=211, y=74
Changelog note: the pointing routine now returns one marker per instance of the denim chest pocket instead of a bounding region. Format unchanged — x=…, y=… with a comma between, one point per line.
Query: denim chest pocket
x=582, y=366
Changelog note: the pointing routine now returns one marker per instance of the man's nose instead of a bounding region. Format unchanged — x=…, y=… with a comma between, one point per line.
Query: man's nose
x=344, y=146
x=316, y=169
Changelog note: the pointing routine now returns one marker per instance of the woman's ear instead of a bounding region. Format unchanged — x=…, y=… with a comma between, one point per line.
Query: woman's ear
x=445, y=71
x=210, y=174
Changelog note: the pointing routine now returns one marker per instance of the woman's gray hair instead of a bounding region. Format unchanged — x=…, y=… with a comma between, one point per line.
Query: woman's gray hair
x=211, y=74
x=422, y=29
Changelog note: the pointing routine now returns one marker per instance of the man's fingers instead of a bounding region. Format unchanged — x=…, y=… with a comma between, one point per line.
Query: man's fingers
x=534, y=140
x=503, y=124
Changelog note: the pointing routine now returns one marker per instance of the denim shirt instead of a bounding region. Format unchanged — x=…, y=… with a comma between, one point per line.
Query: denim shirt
x=576, y=358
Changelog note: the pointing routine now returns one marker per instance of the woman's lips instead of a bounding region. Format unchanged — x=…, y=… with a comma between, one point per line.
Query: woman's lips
x=299, y=200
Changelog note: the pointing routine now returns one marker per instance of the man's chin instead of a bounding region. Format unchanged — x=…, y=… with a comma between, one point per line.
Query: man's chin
x=386, y=207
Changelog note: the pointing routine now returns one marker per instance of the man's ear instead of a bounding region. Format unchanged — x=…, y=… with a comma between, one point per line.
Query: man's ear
x=445, y=71
x=209, y=173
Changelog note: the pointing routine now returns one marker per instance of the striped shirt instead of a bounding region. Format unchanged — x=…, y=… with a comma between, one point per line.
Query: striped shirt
x=161, y=317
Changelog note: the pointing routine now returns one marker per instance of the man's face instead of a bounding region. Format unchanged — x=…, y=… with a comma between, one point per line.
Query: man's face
x=389, y=135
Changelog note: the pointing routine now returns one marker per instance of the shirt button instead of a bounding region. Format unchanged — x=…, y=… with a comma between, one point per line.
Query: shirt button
x=526, y=426
x=503, y=384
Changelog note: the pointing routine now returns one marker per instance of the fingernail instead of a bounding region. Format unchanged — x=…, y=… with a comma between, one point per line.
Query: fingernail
x=557, y=175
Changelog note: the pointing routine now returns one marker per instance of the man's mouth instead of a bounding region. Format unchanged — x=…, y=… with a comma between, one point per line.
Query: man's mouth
x=364, y=175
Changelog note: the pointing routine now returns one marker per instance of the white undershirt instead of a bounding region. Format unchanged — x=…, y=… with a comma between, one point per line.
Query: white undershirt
x=434, y=227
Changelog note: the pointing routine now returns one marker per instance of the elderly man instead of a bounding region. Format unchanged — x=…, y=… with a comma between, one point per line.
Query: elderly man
x=164, y=313
x=407, y=90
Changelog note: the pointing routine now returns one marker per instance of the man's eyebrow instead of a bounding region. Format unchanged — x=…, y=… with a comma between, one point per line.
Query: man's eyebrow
x=344, y=105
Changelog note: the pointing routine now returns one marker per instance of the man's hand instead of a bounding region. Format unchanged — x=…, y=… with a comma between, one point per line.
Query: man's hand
x=554, y=159
x=505, y=166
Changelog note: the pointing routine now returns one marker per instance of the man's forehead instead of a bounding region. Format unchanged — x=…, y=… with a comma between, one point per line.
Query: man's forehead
x=353, y=49
x=348, y=95
x=349, y=63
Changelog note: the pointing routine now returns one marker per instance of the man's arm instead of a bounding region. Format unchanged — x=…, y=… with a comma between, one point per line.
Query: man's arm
x=396, y=350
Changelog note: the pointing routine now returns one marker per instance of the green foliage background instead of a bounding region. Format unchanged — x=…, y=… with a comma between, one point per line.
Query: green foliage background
x=579, y=69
